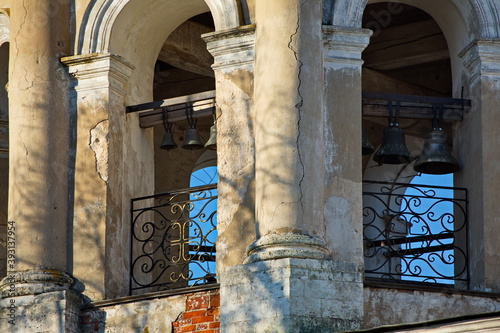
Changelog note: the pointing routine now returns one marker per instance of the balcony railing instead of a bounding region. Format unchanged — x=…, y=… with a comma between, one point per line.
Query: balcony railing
x=415, y=233
x=173, y=239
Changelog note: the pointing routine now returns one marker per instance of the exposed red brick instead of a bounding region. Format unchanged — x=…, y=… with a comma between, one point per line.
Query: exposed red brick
x=184, y=322
x=201, y=315
x=214, y=301
x=193, y=314
x=186, y=329
x=198, y=302
x=213, y=312
x=200, y=327
x=203, y=319
x=214, y=325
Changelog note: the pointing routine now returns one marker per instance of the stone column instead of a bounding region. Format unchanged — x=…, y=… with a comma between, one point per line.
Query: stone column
x=288, y=282
x=40, y=170
x=476, y=148
x=289, y=131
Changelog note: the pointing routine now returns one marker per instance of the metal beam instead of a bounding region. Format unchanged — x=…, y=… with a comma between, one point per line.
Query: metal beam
x=412, y=106
x=151, y=114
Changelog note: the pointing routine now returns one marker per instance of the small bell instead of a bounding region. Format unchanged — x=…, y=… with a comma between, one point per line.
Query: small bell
x=393, y=149
x=192, y=141
x=212, y=140
x=436, y=157
x=168, y=141
x=366, y=146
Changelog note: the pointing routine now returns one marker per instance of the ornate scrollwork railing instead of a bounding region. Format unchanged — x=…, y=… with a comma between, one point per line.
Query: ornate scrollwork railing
x=415, y=233
x=173, y=239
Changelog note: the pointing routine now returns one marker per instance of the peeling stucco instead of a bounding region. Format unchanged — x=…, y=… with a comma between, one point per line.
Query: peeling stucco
x=99, y=142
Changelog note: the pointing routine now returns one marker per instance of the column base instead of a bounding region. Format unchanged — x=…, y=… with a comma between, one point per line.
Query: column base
x=56, y=311
x=38, y=301
x=275, y=246
x=291, y=295
x=34, y=282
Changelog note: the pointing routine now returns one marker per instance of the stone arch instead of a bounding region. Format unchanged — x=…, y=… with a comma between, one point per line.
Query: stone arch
x=4, y=28
x=462, y=22
x=136, y=30
x=100, y=20
x=480, y=17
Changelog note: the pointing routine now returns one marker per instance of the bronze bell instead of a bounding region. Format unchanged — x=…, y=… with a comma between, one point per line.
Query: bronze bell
x=366, y=146
x=168, y=141
x=393, y=149
x=436, y=157
x=168, y=138
x=192, y=141
x=212, y=140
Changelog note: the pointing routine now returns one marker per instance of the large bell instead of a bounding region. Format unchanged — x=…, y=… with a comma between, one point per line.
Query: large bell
x=192, y=141
x=436, y=156
x=366, y=146
x=393, y=149
x=212, y=140
x=168, y=141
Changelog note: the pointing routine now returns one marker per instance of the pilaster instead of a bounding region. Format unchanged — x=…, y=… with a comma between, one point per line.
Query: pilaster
x=98, y=94
x=233, y=52
x=477, y=151
x=342, y=48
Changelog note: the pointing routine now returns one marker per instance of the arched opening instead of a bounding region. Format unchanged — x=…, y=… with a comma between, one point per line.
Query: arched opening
x=182, y=68
x=408, y=55
x=178, y=248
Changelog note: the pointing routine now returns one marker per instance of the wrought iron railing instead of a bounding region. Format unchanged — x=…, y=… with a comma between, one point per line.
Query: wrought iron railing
x=415, y=233
x=173, y=239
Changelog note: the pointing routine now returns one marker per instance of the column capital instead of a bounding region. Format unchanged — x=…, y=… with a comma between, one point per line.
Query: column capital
x=232, y=48
x=481, y=58
x=96, y=71
x=344, y=45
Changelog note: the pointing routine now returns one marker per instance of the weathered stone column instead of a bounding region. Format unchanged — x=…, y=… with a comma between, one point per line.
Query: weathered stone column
x=476, y=148
x=40, y=170
x=288, y=282
x=289, y=131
